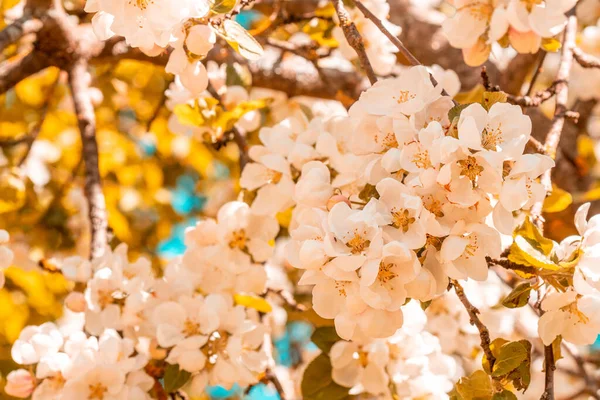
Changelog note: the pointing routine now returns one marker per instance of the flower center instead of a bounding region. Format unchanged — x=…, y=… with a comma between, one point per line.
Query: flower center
x=191, y=328
x=238, y=239
x=274, y=176
x=471, y=248
x=385, y=273
x=141, y=4
x=105, y=297
x=491, y=137
x=433, y=206
x=402, y=219
x=479, y=10
x=358, y=243
x=405, y=96
x=530, y=3
x=97, y=391
x=421, y=160
x=390, y=141
x=470, y=168
x=572, y=309
x=341, y=288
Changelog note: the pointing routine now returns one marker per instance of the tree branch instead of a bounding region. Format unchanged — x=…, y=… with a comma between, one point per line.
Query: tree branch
x=78, y=80
x=558, y=122
x=550, y=367
x=19, y=28
x=354, y=39
x=14, y=72
x=484, y=333
x=238, y=138
x=584, y=59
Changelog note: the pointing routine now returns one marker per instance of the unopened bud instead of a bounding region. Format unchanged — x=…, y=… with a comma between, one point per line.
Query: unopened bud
x=20, y=384
x=75, y=302
x=338, y=198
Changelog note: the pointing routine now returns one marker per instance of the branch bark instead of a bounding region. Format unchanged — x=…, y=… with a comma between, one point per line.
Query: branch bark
x=354, y=39
x=78, y=81
x=19, y=28
x=584, y=59
x=560, y=112
x=14, y=72
x=484, y=333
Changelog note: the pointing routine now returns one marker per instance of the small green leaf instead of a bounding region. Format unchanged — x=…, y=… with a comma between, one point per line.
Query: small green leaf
x=551, y=45
x=175, y=378
x=511, y=355
x=240, y=40
x=222, y=6
x=495, y=348
x=324, y=338
x=368, y=192
x=504, y=395
x=425, y=304
x=558, y=200
x=456, y=110
x=317, y=383
x=491, y=98
x=472, y=96
x=255, y=302
x=519, y=296
x=476, y=386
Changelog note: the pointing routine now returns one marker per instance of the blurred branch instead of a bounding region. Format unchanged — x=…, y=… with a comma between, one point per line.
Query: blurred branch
x=354, y=39
x=17, y=29
x=537, y=72
x=484, y=333
x=79, y=82
x=584, y=59
x=238, y=138
x=15, y=71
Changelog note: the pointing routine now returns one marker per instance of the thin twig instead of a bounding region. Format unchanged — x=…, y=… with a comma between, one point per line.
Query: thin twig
x=484, y=333
x=17, y=29
x=78, y=80
x=537, y=99
x=354, y=39
x=584, y=59
x=537, y=72
x=558, y=122
x=238, y=138
x=379, y=24
x=14, y=72
x=550, y=367
x=287, y=298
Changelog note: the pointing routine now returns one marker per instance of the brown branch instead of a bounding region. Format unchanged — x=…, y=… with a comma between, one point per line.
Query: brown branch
x=238, y=138
x=591, y=384
x=550, y=367
x=14, y=72
x=397, y=42
x=354, y=39
x=584, y=59
x=287, y=298
x=507, y=264
x=537, y=99
x=78, y=80
x=484, y=333
x=16, y=30
x=537, y=72
x=558, y=122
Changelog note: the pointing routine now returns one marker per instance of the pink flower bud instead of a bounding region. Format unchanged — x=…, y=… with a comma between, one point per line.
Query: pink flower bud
x=338, y=198
x=75, y=302
x=19, y=383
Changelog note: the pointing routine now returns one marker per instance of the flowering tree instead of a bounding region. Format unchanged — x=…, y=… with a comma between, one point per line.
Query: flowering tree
x=277, y=199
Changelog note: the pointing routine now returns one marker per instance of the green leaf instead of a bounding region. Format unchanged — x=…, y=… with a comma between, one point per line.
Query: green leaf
x=477, y=386
x=521, y=376
x=558, y=200
x=368, y=192
x=222, y=6
x=504, y=395
x=491, y=98
x=519, y=296
x=511, y=355
x=317, y=383
x=255, y=302
x=551, y=45
x=425, y=304
x=472, y=96
x=531, y=248
x=456, y=110
x=188, y=115
x=495, y=348
x=240, y=40
x=324, y=338
x=175, y=378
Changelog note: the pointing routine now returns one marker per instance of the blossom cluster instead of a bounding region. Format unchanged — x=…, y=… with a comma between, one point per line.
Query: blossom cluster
x=574, y=313
x=395, y=198
x=129, y=322
x=523, y=24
